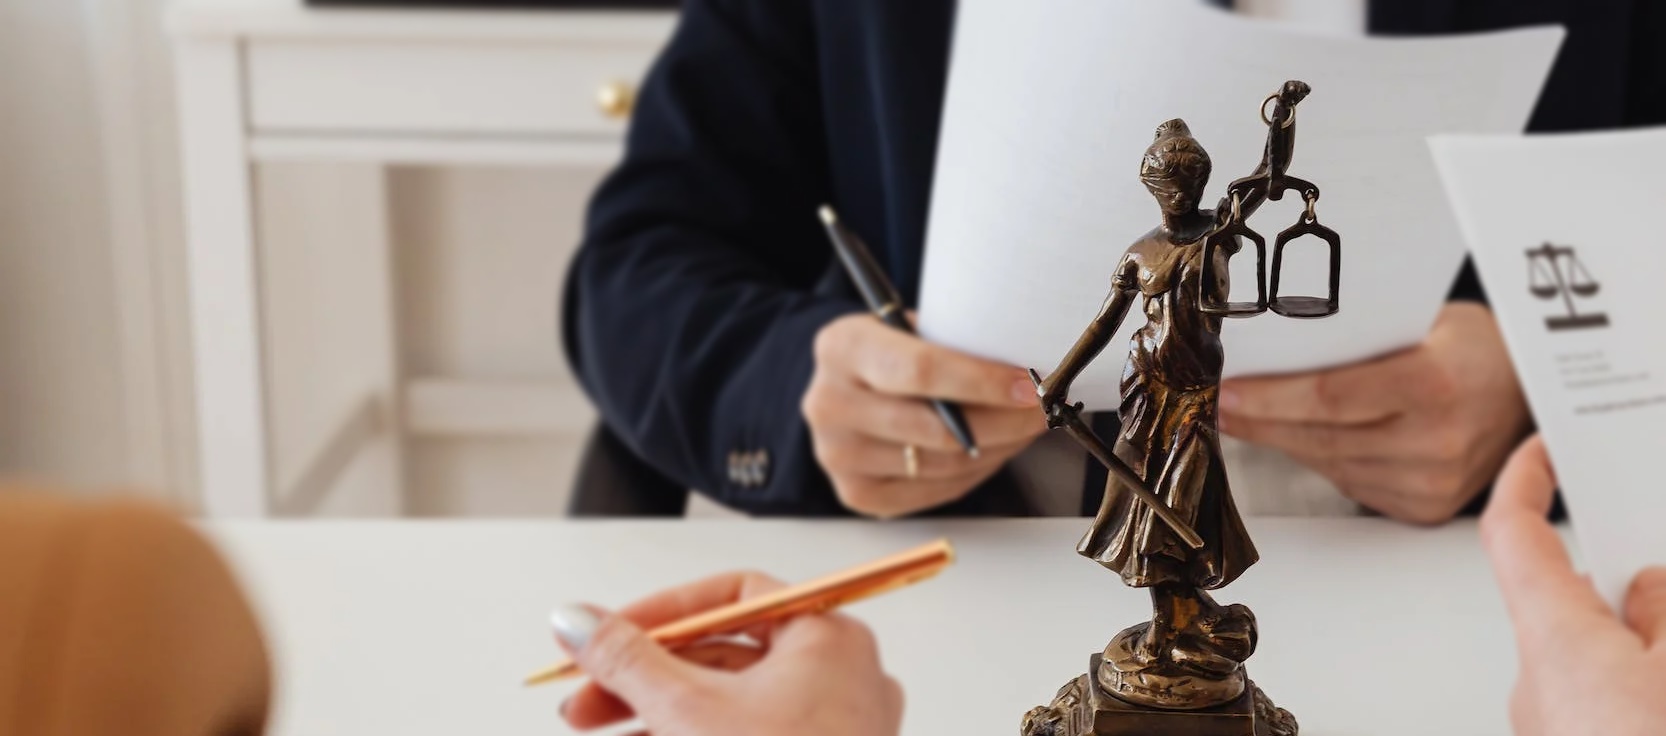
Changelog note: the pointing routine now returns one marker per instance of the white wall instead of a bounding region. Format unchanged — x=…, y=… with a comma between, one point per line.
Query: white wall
x=61, y=405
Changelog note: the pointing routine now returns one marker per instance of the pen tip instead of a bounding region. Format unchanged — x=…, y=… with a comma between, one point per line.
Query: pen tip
x=827, y=215
x=974, y=452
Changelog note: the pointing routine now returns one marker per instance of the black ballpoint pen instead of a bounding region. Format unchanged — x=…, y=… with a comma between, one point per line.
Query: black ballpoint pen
x=886, y=304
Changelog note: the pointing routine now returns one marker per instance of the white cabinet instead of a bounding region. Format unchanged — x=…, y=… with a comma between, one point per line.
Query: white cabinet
x=367, y=349
x=439, y=88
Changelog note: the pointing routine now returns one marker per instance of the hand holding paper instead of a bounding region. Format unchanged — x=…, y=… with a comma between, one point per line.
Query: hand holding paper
x=1414, y=435
x=1583, y=668
x=1597, y=386
x=1050, y=104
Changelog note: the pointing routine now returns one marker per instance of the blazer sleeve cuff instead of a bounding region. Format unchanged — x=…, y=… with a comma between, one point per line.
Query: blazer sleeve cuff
x=764, y=461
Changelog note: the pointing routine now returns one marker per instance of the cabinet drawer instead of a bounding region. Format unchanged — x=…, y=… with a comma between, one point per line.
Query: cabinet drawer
x=445, y=88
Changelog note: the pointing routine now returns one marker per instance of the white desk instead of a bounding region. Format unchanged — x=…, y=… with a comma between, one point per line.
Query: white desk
x=1367, y=628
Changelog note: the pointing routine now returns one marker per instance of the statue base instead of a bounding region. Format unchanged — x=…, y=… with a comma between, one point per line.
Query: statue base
x=1084, y=708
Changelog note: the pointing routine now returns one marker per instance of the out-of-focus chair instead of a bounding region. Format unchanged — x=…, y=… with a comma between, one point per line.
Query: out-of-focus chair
x=613, y=482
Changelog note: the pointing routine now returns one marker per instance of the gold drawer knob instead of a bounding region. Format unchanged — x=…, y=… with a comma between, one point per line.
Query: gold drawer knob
x=616, y=99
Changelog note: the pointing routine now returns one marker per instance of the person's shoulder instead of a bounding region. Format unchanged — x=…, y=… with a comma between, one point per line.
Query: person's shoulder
x=130, y=547
x=63, y=524
x=105, y=589
x=916, y=26
x=125, y=531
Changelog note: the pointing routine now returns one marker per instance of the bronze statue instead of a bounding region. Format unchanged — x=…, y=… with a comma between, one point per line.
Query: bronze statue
x=1168, y=522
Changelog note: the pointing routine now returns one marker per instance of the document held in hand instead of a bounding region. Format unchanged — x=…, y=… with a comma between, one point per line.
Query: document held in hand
x=1051, y=104
x=1560, y=228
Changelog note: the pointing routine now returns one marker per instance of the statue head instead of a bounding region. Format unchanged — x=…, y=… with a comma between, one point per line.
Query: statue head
x=1176, y=169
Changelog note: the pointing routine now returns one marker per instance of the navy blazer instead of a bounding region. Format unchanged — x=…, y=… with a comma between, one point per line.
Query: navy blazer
x=704, y=276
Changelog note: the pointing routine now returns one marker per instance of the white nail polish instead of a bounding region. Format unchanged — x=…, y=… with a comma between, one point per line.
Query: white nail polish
x=574, y=625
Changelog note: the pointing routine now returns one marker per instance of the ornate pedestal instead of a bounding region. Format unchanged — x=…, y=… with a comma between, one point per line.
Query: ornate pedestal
x=1083, y=708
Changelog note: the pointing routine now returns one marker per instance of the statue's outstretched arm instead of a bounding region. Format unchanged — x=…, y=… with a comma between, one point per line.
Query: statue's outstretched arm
x=1092, y=342
x=1252, y=190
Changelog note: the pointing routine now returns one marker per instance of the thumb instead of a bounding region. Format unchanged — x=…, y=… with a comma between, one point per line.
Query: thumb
x=622, y=659
x=1645, y=607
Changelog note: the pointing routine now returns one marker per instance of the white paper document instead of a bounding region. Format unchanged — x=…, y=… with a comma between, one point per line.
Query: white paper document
x=1052, y=103
x=1561, y=230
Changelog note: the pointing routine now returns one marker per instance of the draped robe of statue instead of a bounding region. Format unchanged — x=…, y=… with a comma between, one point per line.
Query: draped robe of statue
x=1170, y=389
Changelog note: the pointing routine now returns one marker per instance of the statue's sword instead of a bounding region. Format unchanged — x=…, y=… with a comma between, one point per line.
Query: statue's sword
x=1069, y=418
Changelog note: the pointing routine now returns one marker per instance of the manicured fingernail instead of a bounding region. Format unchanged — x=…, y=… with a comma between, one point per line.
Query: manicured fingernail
x=574, y=625
x=1024, y=392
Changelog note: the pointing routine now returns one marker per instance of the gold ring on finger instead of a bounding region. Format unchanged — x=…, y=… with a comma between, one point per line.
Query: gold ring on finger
x=911, y=462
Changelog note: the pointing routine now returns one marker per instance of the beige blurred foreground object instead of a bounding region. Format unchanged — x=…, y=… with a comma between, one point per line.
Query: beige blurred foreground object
x=117, y=619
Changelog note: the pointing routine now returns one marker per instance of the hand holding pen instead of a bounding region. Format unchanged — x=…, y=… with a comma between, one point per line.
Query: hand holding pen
x=876, y=431
x=741, y=654
x=825, y=665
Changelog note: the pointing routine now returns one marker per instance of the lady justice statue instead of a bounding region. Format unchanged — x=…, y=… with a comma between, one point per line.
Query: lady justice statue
x=1168, y=522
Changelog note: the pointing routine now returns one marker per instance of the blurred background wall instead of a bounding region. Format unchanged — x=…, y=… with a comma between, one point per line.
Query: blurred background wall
x=95, y=370
x=62, y=383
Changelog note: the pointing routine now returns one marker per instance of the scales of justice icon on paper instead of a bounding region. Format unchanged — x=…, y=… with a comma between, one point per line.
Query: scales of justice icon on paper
x=1547, y=280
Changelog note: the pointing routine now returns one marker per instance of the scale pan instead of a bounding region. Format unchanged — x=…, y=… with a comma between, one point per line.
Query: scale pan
x=1304, y=307
x=1543, y=292
x=1585, y=289
x=1234, y=309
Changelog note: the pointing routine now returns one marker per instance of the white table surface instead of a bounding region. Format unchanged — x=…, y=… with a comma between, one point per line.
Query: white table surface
x=407, y=627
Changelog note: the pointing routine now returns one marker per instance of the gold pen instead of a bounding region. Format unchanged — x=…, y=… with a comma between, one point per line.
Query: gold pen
x=816, y=596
